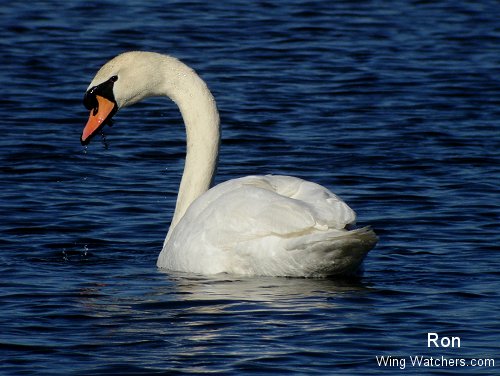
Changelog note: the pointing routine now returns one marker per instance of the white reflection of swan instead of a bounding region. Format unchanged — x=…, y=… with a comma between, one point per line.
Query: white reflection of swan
x=270, y=291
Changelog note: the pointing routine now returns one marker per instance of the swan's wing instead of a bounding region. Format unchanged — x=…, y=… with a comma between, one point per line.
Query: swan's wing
x=267, y=225
x=257, y=206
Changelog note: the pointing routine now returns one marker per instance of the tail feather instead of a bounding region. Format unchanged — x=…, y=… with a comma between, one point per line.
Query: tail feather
x=333, y=252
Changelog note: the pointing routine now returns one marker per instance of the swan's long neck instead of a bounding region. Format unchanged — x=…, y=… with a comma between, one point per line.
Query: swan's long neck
x=201, y=118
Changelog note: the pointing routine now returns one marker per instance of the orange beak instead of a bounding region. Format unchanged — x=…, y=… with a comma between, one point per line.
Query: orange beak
x=97, y=118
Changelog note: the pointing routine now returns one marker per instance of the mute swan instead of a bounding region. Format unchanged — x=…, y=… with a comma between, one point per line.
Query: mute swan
x=256, y=225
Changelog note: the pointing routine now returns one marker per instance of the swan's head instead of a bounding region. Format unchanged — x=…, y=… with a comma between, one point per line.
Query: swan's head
x=122, y=81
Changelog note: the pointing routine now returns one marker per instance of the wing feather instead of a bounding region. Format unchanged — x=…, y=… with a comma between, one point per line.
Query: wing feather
x=258, y=206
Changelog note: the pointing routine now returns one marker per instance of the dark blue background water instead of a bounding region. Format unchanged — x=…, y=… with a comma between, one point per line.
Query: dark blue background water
x=394, y=105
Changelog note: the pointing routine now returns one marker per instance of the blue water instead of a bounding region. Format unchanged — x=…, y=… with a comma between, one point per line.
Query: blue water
x=394, y=105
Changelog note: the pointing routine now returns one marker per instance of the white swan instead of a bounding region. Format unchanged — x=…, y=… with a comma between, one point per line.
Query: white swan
x=256, y=225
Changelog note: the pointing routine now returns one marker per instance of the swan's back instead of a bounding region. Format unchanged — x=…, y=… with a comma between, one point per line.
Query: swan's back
x=267, y=225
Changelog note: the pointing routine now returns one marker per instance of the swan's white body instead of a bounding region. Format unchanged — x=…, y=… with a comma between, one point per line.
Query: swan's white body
x=256, y=225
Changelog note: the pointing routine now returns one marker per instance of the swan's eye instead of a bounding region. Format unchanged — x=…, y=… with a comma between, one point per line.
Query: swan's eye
x=89, y=100
x=104, y=89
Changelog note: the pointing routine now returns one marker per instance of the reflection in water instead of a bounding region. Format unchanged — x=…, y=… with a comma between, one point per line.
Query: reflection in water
x=187, y=317
x=273, y=291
